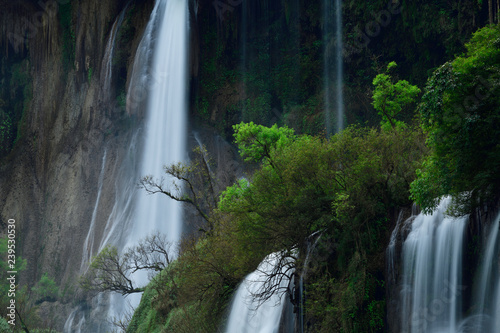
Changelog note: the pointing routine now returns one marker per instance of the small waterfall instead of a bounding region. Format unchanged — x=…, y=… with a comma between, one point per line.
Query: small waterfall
x=107, y=61
x=433, y=297
x=205, y=156
x=340, y=66
x=69, y=322
x=71, y=325
x=88, y=246
x=485, y=278
x=143, y=77
x=432, y=270
x=391, y=249
x=333, y=64
x=121, y=215
x=488, y=282
x=80, y=324
x=247, y=314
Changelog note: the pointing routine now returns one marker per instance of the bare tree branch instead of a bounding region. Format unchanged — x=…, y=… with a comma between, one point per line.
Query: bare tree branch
x=110, y=271
x=191, y=183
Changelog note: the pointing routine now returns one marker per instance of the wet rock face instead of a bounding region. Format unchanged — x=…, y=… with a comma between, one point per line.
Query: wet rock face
x=49, y=180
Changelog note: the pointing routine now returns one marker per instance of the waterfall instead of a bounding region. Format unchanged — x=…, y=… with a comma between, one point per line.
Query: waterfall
x=485, y=277
x=248, y=315
x=69, y=322
x=487, y=307
x=331, y=68
x=340, y=68
x=107, y=61
x=434, y=297
x=88, y=246
x=432, y=270
x=158, y=83
x=165, y=125
x=71, y=325
x=166, y=121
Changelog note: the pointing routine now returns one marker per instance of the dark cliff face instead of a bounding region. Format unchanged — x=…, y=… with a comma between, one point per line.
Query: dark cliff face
x=69, y=131
x=64, y=122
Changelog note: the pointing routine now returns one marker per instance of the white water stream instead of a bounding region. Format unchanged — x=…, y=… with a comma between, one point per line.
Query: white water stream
x=434, y=296
x=248, y=315
x=88, y=246
x=333, y=65
x=159, y=82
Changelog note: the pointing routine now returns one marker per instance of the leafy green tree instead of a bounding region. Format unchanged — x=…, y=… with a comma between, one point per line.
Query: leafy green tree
x=345, y=187
x=390, y=99
x=460, y=112
x=257, y=142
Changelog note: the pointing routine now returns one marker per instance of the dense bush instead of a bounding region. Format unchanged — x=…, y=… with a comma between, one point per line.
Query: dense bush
x=460, y=112
x=344, y=187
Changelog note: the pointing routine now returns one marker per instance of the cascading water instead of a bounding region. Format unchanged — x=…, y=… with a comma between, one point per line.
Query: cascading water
x=487, y=308
x=333, y=64
x=486, y=283
x=165, y=125
x=340, y=69
x=107, y=62
x=247, y=315
x=159, y=82
x=434, y=296
x=432, y=259
x=88, y=246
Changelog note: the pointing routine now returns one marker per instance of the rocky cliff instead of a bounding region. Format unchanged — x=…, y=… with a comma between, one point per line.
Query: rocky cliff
x=49, y=179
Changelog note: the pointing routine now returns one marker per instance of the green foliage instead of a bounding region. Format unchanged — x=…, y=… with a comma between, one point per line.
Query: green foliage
x=46, y=289
x=108, y=271
x=89, y=74
x=344, y=187
x=121, y=100
x=145, y=316
x=5, y=327
x=190, y=294
x=257, y=142
x=20, y=265
x=233, y=193
x=390, y=99
x=460, y=112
